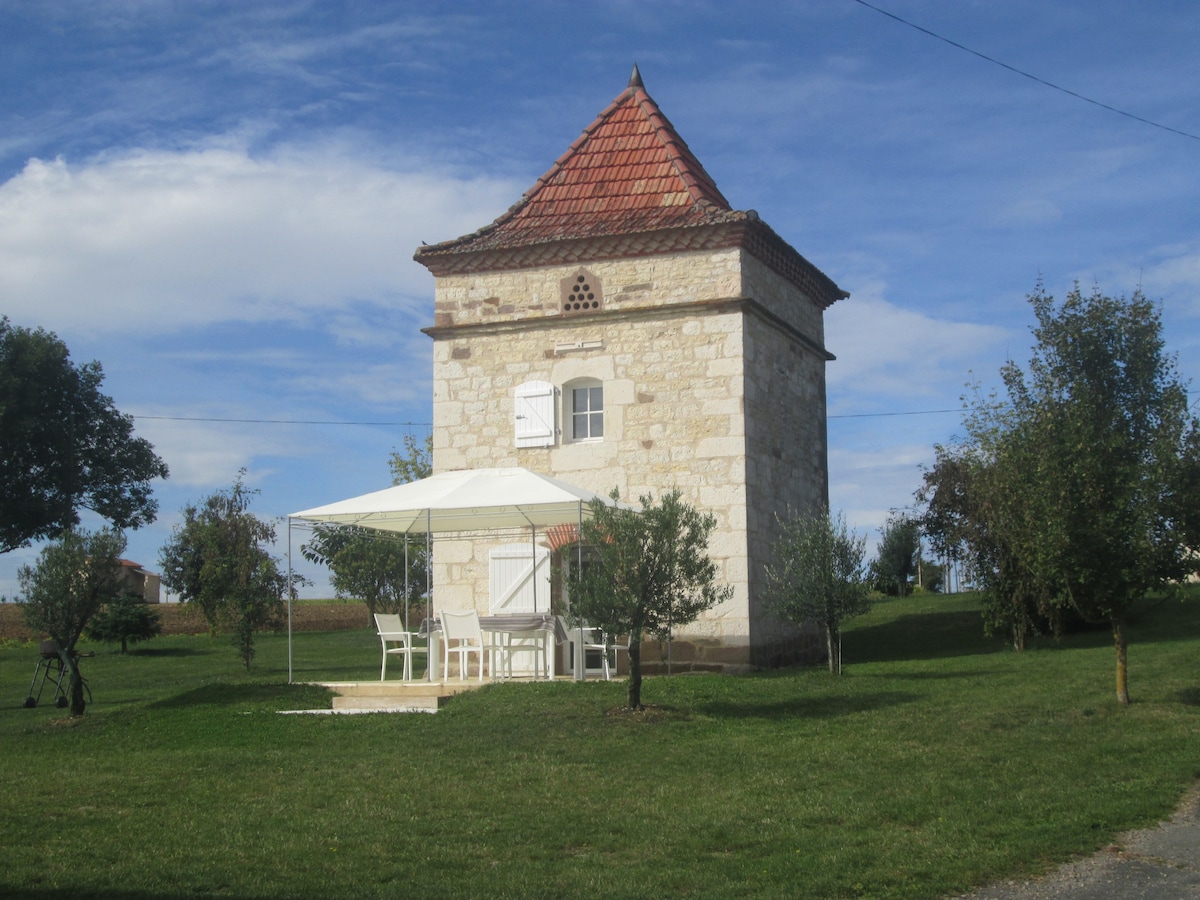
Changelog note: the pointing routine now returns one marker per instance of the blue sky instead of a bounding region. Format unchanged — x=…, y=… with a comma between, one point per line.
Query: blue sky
x=220, y=200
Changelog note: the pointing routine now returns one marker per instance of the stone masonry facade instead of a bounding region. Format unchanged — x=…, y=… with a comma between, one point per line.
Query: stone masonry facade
x=713, y=382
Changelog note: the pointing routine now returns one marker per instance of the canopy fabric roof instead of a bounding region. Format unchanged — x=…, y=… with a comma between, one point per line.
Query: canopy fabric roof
x=462, y=500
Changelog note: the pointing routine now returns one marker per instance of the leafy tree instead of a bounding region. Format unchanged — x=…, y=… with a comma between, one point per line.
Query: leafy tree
x=127, y=620
x=896, y=559
x=414, y=462
x=371, y=565
x=973, y=514
x=218, y=559
x=1088, y=471
x=64, y=446
x=932, y=576
x=648, y=572
x=74, y=577
x=819, y=576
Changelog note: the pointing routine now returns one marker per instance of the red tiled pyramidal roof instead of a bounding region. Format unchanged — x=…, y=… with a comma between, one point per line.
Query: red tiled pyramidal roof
x=628, y=175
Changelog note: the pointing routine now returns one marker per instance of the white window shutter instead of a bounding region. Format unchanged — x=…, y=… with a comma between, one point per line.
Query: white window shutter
x=533, y=408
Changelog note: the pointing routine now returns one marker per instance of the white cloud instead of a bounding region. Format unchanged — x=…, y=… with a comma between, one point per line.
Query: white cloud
x=208, y=454
x=159, y=241
x=887, y=352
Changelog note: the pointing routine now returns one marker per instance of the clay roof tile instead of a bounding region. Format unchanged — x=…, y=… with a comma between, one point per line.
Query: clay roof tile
x=628, y=175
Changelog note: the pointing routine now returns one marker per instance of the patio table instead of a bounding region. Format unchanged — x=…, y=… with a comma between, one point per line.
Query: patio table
x=544, y=626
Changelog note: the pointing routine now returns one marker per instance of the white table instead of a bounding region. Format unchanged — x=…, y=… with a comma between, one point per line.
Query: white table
x=547, y=628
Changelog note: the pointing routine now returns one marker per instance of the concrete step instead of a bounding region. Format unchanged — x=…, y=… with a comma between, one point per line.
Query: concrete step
x=394, y=696
x=389, y=704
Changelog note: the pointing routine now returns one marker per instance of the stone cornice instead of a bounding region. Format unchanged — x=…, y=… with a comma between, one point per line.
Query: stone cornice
x=747, y=232
x=573, y=322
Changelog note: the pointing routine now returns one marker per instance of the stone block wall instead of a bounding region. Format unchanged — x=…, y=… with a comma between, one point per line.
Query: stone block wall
x=698, y=394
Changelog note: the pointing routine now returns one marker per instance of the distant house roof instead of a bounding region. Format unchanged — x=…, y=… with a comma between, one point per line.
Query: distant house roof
x=627, y=186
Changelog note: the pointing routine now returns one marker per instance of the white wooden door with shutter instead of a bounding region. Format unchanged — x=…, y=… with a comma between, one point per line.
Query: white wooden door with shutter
x=512, y=591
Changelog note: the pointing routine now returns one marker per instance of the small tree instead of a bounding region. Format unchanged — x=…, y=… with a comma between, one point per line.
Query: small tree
x=819, y=577
x=648, y=572
x=73, y=578
x=373, y=566
x=127, y=620
x=218, y=559
x=896, y=559
x=386, y=571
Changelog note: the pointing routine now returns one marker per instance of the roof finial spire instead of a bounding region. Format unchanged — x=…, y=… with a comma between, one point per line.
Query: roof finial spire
x=635, y=80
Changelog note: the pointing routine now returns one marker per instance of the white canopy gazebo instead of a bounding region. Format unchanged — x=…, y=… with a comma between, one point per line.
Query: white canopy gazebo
x=457, y=501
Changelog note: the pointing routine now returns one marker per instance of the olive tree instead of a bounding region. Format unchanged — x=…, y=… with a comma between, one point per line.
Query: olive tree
x=218, y=558
x=818, y=576
x=74, y=577
x=648, y=572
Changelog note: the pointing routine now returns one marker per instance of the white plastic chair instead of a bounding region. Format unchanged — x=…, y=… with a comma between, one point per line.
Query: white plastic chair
x=511, y=644
x=391, y=631
x=461, y=634
x=595, y=639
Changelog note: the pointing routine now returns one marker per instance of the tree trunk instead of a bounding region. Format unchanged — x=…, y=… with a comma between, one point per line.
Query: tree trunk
x=1118, y=626
x=635, y=672
x=74, y=681
x=833, y=649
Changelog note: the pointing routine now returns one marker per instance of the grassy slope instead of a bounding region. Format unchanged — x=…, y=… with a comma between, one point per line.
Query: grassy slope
x=939, y=760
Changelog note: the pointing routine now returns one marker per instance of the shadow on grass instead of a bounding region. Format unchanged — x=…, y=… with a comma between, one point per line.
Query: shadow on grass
x=167, y=652
x=232, y=695
x=809, y=707
x=928, y=676
x=1189, y=696
x=924, y=635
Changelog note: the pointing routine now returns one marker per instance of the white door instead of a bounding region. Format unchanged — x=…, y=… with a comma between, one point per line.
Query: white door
x=517, y=588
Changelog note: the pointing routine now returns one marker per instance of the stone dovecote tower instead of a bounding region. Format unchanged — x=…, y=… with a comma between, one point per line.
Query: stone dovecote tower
x=622, y=326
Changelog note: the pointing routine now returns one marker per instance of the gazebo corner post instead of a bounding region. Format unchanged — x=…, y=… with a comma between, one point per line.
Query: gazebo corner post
x=429, y=595
x=289, y=597
x=580, y=662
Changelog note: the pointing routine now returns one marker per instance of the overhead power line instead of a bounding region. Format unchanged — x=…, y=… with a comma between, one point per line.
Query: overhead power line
x=282, y=421
x=1024, y=74
x=234, y=421
x=911, y=412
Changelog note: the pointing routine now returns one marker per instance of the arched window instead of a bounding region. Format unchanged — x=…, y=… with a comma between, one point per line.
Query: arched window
x=583, y=400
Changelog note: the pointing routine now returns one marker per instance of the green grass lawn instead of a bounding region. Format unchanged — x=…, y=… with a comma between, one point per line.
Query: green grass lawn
x=938, y=761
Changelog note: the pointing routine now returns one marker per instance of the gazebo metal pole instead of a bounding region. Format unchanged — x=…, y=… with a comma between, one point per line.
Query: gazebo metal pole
x=580, y=662
x=429, y=591
x=533, y=551
x=289, y=605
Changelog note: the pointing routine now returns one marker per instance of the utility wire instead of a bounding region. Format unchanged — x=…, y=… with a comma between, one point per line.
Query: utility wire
x=913, y=412
x=280, y=421
x=1024, y=74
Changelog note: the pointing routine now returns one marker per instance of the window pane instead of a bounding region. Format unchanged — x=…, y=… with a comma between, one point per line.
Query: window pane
x=579, y=399
x=597, y=429
x=596, y=399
